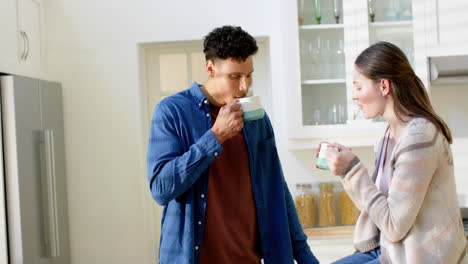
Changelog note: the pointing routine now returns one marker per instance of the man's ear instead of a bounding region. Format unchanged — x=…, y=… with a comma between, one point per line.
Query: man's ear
x=210, y=68
x=385, y=87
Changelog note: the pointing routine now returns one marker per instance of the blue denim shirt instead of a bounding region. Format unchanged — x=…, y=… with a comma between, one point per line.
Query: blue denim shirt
x=180, y=151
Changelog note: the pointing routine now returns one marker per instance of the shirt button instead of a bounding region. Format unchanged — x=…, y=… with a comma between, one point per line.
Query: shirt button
x=216, y=154
x=199, y=104
x=202, y=196
x=196, y=247
x=206, y=101
x=199, y=222
x=207, y=115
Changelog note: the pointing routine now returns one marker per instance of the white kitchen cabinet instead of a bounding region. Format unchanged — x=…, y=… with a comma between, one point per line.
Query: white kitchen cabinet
x=29, y=19
x=21, y=30
x=446, y=27
x=9, y=50
x=322, y=61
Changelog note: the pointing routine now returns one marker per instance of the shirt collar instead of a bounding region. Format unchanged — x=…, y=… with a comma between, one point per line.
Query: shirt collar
x=198, y=96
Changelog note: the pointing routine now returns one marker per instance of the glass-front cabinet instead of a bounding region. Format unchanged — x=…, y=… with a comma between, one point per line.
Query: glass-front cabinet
x=330, y=35
x=392, y=21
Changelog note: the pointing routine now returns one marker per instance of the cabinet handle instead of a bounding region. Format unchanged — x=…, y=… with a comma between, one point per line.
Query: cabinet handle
x=27, y=41
x=24, y=45
x=49, y=192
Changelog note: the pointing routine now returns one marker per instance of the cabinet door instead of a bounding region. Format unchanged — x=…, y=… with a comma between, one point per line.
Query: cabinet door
x=9, y=51
x=446, y=25
x=29, y=17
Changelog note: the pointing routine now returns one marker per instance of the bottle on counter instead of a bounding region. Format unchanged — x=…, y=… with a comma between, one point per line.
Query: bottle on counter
x=305, y=205
x=327, y=215
x=349, y=212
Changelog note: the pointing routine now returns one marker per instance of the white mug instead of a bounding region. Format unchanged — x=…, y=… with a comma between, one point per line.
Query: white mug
x=252, y=108
x=322, y=157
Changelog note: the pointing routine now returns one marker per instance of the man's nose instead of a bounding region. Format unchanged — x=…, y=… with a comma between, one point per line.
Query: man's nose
x=243, y=84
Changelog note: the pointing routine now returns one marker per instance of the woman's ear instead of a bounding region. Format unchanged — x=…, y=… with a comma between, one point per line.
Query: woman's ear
x=385, y=87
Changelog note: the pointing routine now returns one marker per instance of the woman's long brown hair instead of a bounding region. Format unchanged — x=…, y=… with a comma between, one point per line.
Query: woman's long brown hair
x=383, y=60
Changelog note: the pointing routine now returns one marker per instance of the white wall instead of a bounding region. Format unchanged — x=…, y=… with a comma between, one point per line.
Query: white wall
x=450, y=103
x=91, y=47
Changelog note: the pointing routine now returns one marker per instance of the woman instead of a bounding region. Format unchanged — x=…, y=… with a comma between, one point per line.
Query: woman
x=409, y=208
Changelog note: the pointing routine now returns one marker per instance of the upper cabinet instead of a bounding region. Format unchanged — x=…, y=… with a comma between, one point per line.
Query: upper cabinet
x=29, y=20
x=9, y=50
x=21, y=45
x=446, y=26
x=330, y=35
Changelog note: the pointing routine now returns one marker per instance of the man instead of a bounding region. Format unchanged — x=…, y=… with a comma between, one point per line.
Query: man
x=220, y=179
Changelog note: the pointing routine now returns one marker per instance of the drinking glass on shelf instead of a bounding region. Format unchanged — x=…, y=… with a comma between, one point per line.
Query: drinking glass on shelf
x=334, y=114
x=316, y=117
x=406, y=15
x=394, y=12
x=337, y=7
x=337, y=59
x=406, y=11
x=304, y=47
x=307, y=62
x=342, y=59
x=300, y=11
x=341, y=114
x=326, y=71
x=318, y=10
x=371, y=5
x=317, y=57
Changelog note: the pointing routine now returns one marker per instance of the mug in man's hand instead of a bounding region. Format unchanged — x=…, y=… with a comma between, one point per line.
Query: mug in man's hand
x=252, y=108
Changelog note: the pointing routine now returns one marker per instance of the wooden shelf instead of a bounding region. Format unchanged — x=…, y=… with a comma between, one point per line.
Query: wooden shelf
x=327, y=231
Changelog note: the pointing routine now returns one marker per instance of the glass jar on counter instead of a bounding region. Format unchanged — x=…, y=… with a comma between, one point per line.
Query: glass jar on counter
x=327, y=215
x=349, y=212
x=305, y=205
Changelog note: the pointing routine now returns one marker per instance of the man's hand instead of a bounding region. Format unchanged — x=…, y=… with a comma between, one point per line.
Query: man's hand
x=229, y=122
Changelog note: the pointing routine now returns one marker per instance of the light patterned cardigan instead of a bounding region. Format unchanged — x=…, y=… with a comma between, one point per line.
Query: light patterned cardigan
x=419, y=222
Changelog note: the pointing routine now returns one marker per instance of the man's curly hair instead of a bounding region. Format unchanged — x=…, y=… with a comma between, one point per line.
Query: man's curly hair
x=229, y=42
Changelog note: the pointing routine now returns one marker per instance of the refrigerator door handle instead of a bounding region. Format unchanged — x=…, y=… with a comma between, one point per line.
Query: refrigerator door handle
x=49, y=194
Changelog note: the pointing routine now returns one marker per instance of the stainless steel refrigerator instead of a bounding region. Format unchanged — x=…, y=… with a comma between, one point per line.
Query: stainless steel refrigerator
x=33, y=209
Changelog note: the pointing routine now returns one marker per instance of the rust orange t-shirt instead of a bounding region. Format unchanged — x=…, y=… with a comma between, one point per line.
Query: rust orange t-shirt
x=231, y=232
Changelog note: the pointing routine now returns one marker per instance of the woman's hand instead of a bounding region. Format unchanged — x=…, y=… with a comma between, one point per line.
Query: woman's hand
x=340, y=159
